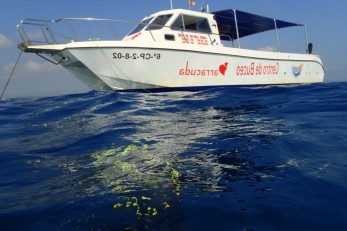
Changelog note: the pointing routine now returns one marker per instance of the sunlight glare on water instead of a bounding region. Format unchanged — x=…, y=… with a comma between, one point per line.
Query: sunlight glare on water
x=266, y=158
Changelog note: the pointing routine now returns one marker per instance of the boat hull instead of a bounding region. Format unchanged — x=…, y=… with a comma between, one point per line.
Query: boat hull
x=131, y=68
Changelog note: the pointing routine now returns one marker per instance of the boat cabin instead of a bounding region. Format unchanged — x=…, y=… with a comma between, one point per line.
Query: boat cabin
x=199, y=28
x=180, y=26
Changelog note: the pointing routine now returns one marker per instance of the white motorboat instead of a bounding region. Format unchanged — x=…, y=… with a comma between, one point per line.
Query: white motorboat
x=172, y=50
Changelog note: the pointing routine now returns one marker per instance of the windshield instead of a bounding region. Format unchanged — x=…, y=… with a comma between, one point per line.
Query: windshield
x=140, y=26
x=159, y=22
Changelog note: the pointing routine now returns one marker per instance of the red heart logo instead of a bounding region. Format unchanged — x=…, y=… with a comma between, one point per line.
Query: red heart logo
x=223, y=68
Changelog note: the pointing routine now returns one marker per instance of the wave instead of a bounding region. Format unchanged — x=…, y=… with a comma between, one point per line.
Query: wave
x=100, y=150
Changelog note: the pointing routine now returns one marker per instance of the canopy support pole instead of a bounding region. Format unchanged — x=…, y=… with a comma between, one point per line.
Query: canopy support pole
x=278, y=41
x=306, y=35
x=237, y=29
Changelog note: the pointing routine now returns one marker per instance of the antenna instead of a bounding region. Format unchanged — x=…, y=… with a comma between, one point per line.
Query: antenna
x=171, y=4
x=202, y=9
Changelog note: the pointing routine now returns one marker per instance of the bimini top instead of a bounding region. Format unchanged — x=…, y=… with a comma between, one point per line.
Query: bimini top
x=247, y=23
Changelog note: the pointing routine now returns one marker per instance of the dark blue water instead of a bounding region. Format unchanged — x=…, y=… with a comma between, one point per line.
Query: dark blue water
x=267, y=158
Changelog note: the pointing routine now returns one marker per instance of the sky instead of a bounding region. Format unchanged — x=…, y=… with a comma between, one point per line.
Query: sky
x=34, y=76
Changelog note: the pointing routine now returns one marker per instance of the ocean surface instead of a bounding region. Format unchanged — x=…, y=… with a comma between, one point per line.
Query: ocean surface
x=237, y=158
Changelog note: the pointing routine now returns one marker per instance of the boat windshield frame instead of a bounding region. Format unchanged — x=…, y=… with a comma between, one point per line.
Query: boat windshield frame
x=141, y=26
x=157, y=25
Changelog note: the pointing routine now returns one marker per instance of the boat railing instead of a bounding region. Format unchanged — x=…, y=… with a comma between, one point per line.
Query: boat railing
x=64, y=30
x=36, y=32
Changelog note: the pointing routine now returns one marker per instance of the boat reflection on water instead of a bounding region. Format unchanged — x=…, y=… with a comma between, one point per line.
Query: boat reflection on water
x=179, y=154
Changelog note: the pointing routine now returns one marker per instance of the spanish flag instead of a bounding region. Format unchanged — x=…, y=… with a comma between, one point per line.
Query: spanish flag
x=192, y=3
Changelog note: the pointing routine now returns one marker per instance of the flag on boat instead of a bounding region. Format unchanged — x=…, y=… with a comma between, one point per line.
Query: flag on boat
x=192, y=3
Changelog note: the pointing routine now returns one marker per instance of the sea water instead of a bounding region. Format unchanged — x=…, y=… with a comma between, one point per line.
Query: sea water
x=237, y=158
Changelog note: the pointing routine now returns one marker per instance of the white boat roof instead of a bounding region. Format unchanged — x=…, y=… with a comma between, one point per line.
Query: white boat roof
x=179, y=11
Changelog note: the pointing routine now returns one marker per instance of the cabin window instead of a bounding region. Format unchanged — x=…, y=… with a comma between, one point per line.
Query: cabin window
x=191, y=23
x=169, y=37
x=159, y=22
x=139, y=27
